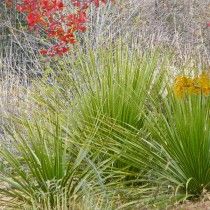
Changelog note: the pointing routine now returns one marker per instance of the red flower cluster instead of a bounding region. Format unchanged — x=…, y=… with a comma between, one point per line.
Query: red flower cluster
x=58, y=24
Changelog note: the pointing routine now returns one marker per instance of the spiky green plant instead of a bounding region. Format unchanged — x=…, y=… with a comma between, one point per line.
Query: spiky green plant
x=110, y=84
x=43, y=170
x=145, y=181
x=184, y=133
x=119, y=85
x=171, y=151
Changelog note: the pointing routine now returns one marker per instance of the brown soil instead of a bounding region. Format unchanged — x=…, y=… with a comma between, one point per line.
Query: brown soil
x=203, y=205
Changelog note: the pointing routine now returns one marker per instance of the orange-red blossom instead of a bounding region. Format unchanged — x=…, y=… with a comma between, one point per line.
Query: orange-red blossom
x=58, y=24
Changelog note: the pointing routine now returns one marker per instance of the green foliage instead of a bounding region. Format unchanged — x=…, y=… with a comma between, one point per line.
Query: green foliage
x=183, y=132
x=117, y=85
x=171, y=151
x=44, y=170
x=106, y=132
x=122, y=86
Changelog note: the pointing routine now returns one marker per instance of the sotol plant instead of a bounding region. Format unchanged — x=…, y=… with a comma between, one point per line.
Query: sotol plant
x=44, y=172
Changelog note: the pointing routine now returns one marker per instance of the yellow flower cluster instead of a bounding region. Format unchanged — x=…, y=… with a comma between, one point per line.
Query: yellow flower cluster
x=186, y=85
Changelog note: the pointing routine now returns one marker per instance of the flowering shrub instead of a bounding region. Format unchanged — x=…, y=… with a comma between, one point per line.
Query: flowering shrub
x=57, y=22
x=197, y=85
